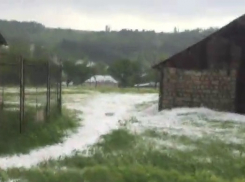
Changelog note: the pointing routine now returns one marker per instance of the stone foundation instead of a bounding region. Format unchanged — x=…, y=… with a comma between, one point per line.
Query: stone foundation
x=210, y=88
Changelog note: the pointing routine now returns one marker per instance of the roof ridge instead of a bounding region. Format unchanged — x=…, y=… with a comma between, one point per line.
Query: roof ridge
x=237, y=20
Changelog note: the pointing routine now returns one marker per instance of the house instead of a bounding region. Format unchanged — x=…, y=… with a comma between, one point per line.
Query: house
x=210, y=73
x=101, y=80
x=67, y=83
x=88, y=64
x=147, y=85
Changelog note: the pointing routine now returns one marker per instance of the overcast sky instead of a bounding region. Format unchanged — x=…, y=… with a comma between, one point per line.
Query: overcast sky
x=158, y=15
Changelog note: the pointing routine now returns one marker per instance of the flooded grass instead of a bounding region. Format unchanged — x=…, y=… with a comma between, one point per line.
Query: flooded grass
x=124, y=156
x=179, y=145
x=34, y=134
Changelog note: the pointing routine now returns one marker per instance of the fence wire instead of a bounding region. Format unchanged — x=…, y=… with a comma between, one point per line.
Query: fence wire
x=29, y=91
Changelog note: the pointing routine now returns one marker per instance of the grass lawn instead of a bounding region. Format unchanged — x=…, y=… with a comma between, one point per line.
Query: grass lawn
x=192, y=148
x=119, y=90
x=35, y=134
x=149, y=156
x=12, y=94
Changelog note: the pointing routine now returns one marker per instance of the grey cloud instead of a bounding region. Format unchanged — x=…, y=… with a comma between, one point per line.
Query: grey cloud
x=156, y=7
x=159, y=10
x=178, y=8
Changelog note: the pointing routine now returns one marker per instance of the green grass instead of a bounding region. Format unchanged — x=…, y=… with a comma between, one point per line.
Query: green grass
x=123, y=156
x=34, y=134
x=31, y=92
x=123, y=90
x=101, y=89
x=151, y=156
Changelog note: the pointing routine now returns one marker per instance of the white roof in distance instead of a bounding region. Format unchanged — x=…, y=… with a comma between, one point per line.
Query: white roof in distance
x=101, y=78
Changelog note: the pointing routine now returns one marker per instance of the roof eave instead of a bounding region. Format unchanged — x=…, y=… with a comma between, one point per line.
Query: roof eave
x=155, y=67
x=159, y=65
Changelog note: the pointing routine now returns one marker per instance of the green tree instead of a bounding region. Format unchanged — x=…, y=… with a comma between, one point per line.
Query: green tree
x=99, y=46
x=127, y=72
x=77, y=73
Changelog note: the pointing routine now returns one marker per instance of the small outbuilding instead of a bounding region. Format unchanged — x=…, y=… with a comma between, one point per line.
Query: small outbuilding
x=210, y=73
x=101, y=80
x=147, y=85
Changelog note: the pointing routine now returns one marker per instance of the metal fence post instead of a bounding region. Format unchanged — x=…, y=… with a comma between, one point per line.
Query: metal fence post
x=2, y=99
x=48, y=91
x=22, y=93
x=60, y=90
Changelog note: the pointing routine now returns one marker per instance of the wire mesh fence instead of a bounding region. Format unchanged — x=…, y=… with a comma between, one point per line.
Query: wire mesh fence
x=29, y=91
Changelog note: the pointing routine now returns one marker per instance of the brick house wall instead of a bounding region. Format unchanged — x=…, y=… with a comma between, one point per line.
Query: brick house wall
x=209, y=88
x=182, y=85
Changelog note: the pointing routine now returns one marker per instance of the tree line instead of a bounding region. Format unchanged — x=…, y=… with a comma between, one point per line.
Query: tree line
x=126, y=72
x=102, y=46
x=132, y=52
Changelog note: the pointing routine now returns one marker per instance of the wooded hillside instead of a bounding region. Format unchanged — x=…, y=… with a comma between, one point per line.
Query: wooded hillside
x=144, y=46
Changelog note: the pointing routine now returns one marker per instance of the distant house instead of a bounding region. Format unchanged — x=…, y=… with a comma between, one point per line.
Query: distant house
x=147, y=85
x=67, y=84
x=101, y=80
x=210, y=73
x=88, y=64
